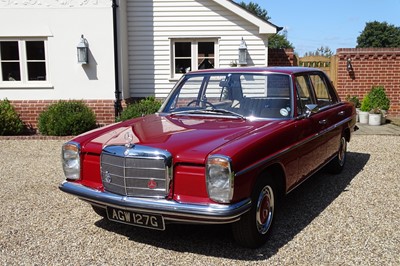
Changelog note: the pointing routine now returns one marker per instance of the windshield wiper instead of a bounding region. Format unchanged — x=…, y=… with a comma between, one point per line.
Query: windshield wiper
x=224, y=111
x=210, y=111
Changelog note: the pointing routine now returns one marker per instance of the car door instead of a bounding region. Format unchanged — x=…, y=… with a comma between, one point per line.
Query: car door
x=329, y=115
x=312, y=149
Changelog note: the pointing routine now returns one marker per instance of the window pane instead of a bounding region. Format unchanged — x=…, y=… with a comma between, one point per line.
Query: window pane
x=35, y=50
x=321, y=91
x=183, y=49
x=182, y=65
x=9, y=51
x=303, y=94
x=36, y=71
x=10, y=71
x=206, y=49
x=205, y=63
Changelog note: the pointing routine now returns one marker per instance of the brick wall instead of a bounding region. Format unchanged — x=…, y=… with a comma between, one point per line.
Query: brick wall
x=371, y=67
x=281, y=57
x=29, y=110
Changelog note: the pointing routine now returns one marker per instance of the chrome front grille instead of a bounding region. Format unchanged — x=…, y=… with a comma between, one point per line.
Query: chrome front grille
x=136, y=171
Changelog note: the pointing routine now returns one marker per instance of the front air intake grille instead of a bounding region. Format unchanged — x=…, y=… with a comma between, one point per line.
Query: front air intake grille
x=138, y=171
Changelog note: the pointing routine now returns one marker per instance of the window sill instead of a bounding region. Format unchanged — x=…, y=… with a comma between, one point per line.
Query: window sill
x=21, y=86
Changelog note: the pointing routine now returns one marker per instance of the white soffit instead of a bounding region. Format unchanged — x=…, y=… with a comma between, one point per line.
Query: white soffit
x=264, y=26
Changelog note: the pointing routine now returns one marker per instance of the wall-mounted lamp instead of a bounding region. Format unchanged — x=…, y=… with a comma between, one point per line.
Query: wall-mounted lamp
x=349, y=66
x=83, y=51
x=242, y=53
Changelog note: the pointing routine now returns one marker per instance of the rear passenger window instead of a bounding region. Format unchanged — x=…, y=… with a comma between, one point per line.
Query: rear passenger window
x=321, y=91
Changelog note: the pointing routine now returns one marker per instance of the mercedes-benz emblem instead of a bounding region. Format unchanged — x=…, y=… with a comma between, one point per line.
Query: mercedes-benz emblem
x=152, y=184
x=128, y=138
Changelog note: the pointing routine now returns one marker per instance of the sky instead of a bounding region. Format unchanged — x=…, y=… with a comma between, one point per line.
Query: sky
x=311, y=24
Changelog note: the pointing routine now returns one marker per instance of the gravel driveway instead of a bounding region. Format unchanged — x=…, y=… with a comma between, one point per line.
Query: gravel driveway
x=349, y=219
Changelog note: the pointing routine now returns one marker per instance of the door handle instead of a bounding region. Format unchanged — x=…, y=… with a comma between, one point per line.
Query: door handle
x=342, y=113
x=323, y=122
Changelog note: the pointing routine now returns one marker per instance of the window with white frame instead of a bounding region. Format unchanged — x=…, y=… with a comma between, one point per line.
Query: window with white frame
x=188, y=55
x=23, y=61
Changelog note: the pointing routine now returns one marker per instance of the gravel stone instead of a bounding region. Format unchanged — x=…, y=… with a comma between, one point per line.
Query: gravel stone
x=347, y=219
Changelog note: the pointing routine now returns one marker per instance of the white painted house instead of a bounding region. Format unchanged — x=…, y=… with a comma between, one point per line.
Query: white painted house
x=155, y=40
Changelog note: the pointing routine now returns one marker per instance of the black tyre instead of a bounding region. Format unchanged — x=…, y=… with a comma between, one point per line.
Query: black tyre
x=254, y=227
x=100, y=211
x=337, y=164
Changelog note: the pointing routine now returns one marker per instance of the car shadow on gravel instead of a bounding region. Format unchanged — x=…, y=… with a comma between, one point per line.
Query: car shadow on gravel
x=299, y=209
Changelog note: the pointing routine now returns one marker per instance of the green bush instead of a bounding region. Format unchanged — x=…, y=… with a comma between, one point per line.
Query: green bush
x=354, y=100
x=66, y=119
x=143, y=107
x=378, y=98
x=366, y=104
x=10, y=122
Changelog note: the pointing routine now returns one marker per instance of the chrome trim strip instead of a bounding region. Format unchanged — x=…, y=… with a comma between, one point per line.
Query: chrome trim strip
x=171, y=210
x=273, y=157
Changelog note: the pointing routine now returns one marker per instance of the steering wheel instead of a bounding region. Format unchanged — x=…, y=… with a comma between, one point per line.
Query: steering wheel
x=207, y=103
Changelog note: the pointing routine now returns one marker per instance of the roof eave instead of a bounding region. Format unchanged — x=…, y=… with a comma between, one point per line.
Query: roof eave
x=264, y=27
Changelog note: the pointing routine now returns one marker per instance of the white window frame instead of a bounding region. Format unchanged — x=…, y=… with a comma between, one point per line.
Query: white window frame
x=23, y=64
x=194, y=51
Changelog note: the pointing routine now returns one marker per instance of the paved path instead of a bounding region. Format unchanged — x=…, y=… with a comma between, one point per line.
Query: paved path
x=386, y=129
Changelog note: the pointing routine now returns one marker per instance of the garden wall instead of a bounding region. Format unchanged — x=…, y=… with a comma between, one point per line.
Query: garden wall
x=282, y=57
x=370, y=67
x=29, y=110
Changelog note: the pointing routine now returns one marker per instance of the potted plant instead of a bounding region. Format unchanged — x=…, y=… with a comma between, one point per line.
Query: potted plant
x=356, y=102
x=364, y=110
x=379, y=100
x=375, y=117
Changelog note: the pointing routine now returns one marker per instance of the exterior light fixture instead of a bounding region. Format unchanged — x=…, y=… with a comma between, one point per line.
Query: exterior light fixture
x=83, y=51
x=349, y=66
x=242, y=53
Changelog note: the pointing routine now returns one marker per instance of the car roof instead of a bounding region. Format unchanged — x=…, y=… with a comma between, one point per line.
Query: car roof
x=278, y=69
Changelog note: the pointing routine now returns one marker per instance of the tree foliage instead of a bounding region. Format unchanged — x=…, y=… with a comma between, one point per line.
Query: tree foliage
x=379, y=35
x=256, y=9
x=322, y=51
x=276, y=41
x=279, y=41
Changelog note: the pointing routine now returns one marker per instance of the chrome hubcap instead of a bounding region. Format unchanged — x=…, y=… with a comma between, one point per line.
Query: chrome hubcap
x=265, y=209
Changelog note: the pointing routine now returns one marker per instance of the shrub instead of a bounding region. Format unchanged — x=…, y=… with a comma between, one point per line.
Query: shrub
x=66, y=119
x=10, y=122
x=366, y=104
x=378, y=98
x=354, y=100
x=144, y=107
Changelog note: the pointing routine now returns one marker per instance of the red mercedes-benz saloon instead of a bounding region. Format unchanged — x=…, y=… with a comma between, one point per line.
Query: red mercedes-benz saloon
x=225, y=147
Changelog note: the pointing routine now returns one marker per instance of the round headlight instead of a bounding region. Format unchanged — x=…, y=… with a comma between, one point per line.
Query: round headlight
x=71, y=160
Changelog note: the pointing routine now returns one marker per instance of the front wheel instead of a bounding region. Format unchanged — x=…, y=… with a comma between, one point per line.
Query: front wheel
x=254, y=227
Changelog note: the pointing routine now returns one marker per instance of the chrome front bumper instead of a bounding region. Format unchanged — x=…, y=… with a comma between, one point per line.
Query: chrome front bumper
x=171, y=210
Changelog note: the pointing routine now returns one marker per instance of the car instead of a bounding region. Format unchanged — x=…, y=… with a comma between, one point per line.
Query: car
x=225, y=148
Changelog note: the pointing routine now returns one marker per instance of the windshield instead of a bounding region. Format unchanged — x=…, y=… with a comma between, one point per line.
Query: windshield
x=233, y=94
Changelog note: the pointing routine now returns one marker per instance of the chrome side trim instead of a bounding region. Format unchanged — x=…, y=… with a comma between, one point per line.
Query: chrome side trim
x=171, y=210
x=284, y=151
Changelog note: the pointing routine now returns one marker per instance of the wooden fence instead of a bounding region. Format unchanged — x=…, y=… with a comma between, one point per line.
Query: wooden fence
x=327, y=64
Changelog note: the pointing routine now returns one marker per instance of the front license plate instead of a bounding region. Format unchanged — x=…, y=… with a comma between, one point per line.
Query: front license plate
x=136, y=218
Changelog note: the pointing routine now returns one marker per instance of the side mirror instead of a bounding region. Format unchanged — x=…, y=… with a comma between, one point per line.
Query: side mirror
x=311, y=109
